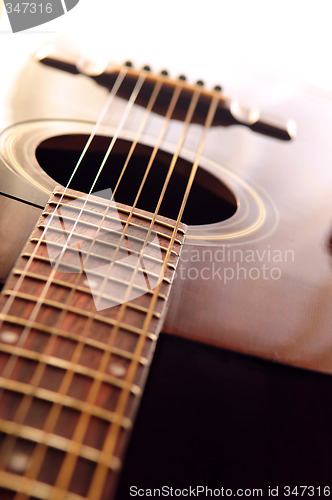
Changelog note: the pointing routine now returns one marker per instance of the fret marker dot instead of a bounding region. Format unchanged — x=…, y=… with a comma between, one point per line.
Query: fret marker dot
x=9, y=337
x=117, y=370
x=18, y=462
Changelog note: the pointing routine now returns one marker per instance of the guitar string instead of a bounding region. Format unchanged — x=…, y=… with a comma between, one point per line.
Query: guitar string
x=175, y=157
x=52, y=418
x=105, y=108
x=5, y=310
x=100, y=475
x=76, y=282
x=11, y=362
x=150, y=164
x=68, y=468
x=161, y=134
x=33, y=314
x=68, y=464
x=25, y=333
x=75, y=441
x=66, y=475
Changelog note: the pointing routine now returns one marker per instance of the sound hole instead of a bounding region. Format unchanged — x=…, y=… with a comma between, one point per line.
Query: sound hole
x=209, y=201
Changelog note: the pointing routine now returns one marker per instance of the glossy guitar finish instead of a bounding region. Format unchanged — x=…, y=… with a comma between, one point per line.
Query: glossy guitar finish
x=258, y=282
x=284, y=205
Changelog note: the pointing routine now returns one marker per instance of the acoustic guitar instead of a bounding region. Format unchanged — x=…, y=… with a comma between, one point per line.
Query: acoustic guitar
x=166, y=302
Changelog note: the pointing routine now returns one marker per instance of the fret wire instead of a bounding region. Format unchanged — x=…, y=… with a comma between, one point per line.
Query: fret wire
x=92, y=272
x=79, y=312
x=89, y=341
x=101, y=257
x=32, y=487
x=58, y=442
x=105, y=243
x=67, y=365
x=46, y=260
x=83, y=289
x=90, y=224
x=66, y=401
x=120, y=209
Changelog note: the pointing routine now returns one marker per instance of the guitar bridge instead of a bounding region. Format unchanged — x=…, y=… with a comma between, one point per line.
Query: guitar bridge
x=228, y=112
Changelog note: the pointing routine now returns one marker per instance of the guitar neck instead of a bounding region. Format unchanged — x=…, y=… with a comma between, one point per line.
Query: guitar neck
x=81, y=313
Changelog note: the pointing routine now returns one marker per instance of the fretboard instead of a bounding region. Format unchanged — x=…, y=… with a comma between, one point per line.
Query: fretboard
x=80, y=316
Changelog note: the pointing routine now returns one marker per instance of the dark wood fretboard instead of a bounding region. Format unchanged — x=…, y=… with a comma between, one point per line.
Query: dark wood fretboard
x=80, y=316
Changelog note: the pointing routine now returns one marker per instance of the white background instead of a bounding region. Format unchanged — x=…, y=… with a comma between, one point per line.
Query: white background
x=233, y=42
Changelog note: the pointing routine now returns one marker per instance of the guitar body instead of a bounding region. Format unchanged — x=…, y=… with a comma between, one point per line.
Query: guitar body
x=239, y=390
